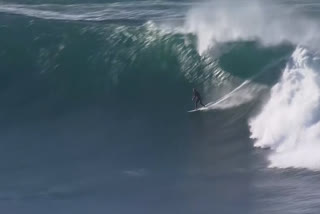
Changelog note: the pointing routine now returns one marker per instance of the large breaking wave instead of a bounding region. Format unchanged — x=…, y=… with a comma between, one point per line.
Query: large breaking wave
x=219, y=49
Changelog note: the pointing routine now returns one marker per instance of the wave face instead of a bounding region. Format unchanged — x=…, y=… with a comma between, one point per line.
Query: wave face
x=71, y=64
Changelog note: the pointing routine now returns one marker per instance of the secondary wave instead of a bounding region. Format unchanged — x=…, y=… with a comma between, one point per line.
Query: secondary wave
x=140, y=10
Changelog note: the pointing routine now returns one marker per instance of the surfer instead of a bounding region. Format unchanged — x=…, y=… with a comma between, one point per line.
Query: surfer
x=197, y=98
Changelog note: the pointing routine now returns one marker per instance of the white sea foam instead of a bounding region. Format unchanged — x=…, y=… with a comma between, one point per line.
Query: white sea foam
x=289, y=123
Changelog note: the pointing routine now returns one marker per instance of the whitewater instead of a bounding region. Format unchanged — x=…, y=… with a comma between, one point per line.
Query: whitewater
x=289, y=121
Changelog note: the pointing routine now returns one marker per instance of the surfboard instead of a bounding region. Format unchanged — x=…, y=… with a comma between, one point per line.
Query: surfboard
x=194, y=110
x=198, y=109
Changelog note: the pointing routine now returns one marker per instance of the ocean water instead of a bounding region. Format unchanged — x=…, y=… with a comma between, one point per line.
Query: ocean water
x=95, y=98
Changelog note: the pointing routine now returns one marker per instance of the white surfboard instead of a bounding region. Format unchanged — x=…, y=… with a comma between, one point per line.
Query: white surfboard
x=198, y=109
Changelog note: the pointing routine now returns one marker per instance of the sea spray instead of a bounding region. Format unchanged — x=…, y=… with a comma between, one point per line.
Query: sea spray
x=289, y=123
x=271, y=24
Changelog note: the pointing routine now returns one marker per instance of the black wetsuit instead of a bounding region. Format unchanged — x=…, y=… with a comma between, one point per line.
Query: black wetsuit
x=197, y=98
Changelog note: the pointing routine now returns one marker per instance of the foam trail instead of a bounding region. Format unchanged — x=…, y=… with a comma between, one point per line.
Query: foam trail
x=242, y=94
x=289, y=122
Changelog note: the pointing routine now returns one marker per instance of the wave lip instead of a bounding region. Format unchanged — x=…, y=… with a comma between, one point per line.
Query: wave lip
x=289, y=123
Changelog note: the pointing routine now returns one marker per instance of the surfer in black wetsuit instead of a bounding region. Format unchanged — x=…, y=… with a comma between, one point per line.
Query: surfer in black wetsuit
x=197, y=98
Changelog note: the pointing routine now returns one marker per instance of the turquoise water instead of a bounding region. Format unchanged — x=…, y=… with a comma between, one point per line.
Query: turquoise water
x=94, y=100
